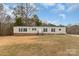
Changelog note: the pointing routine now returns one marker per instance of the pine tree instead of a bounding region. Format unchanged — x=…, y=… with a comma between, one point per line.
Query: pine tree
x=18, y=21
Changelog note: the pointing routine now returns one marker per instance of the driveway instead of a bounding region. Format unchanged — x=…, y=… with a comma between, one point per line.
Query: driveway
x=75, y=35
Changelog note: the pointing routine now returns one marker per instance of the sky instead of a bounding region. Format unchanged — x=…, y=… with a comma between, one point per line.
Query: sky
x=55, y=13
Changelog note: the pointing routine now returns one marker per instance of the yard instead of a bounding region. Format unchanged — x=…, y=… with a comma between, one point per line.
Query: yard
x=42, y=45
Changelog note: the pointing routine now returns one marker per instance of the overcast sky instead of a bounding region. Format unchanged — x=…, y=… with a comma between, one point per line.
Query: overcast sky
x=57, y=13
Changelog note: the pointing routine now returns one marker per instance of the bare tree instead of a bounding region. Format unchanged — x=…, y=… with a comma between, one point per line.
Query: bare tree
x=5, y=21
x=74, y=29
x=1, y=12
x=19, y=10
x=30, y=9
x=24, y=11
x=1, y=17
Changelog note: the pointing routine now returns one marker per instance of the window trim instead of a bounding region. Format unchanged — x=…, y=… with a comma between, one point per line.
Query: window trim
x=45, y=29
x=33, y=29
x=52, y=29
x=60, y=29
x=22, y=29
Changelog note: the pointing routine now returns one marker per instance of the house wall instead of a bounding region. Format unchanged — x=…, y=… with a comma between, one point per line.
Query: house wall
x=40, y=30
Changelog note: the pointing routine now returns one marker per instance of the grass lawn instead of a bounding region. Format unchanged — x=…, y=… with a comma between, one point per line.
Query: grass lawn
x=42, y=45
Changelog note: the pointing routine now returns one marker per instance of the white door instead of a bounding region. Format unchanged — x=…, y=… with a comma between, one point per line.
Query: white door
x=39, y=31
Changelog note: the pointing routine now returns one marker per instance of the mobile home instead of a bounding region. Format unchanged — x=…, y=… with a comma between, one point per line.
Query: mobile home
x=24, y=30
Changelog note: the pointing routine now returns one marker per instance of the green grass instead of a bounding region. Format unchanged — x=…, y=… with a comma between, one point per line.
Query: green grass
x=46, y=45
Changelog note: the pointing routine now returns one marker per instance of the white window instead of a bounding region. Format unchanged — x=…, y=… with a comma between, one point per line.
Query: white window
x=33, y=29
x=45, y=30
x=22, y=29
x=53, y=30
x=59, y=29
x=25, y=29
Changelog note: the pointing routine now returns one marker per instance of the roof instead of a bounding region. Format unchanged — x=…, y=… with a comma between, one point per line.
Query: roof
x=39, y=26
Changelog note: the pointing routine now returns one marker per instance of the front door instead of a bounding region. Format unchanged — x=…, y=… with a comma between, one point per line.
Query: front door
x=39, y=31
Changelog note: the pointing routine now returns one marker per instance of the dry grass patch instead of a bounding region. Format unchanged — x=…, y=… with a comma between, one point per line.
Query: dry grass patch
x=39, y=45
x=10, y=40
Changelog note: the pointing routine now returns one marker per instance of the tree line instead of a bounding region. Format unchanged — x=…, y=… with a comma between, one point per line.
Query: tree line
x=24, y=15
x=73, y=29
